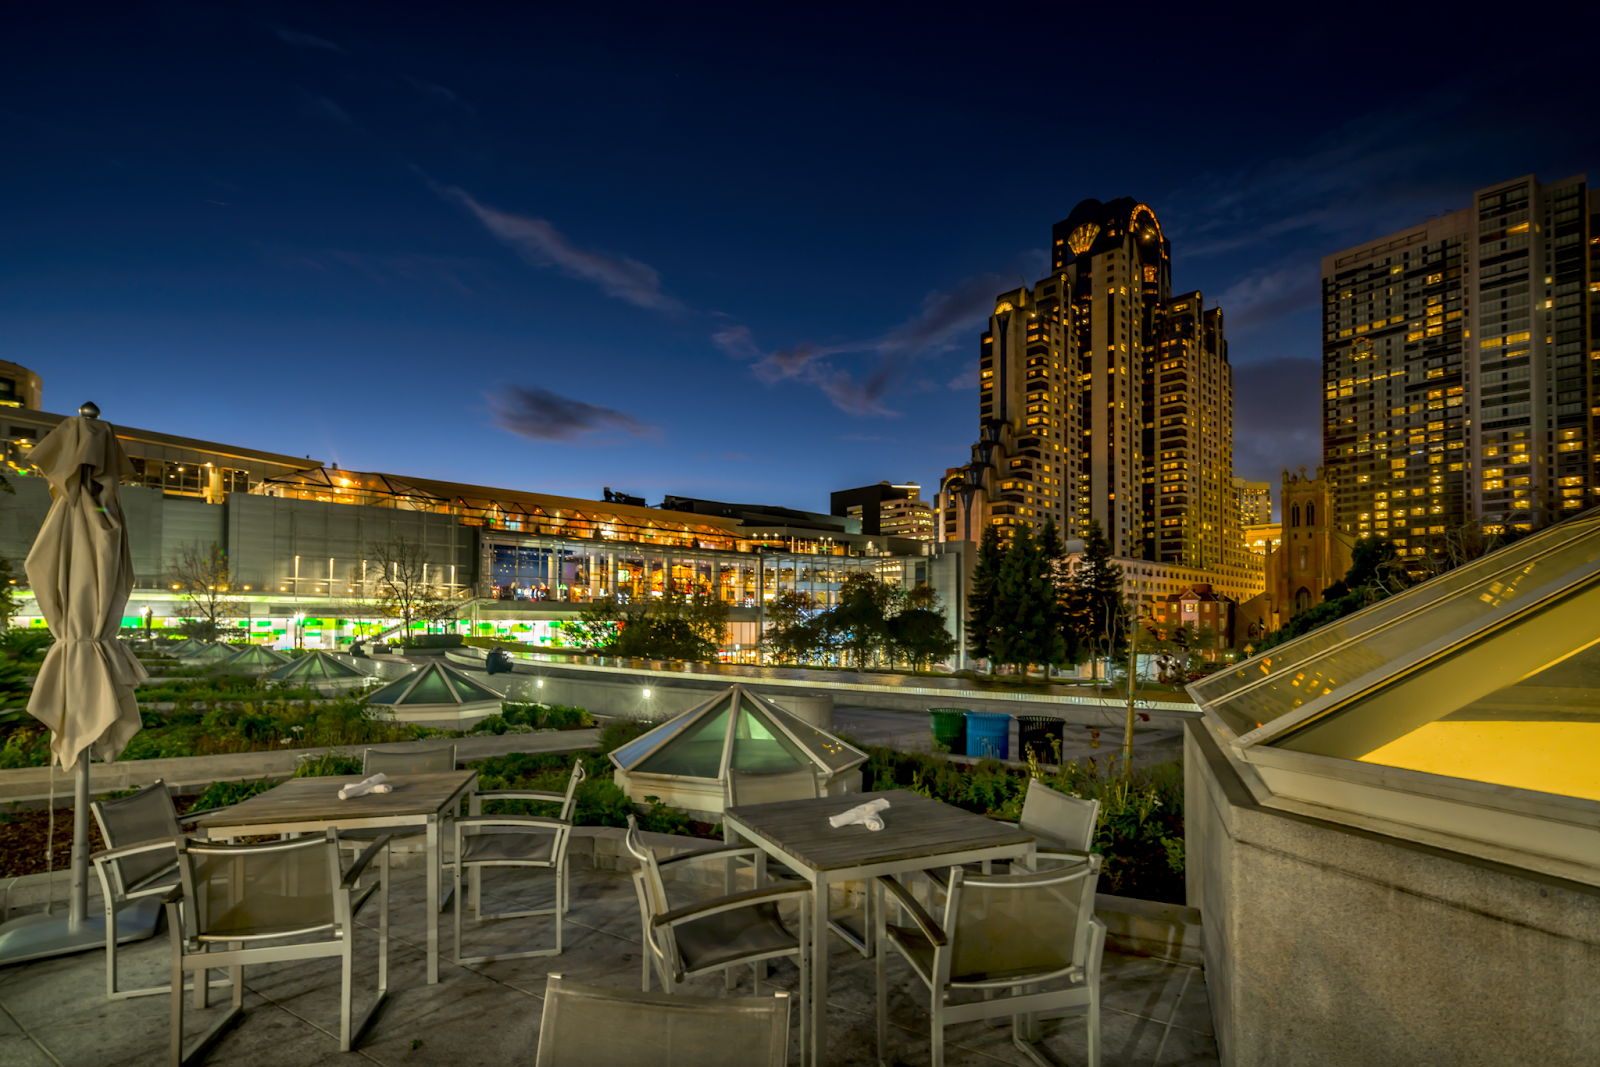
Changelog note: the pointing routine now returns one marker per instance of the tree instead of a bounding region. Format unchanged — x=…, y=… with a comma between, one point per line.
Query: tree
x=1052, y=559
x=981, y=604
x=201, y=578
x=403, y=583
x=920, y=636
x=788, y=635
x=673, y=626
x=1098, y=607
x=1025, y=629
x=1373, y=563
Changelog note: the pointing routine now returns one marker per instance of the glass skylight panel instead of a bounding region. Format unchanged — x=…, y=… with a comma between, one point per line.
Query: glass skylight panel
x=697, y=753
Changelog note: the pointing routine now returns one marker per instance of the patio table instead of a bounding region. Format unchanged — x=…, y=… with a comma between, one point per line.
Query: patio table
x=918, y=833
x=311, y=805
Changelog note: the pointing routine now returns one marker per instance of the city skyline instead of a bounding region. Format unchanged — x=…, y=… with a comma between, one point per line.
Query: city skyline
x=282, y=229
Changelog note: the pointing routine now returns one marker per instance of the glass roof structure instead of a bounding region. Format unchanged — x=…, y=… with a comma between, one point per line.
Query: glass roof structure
x=255, y=658
x=738, y=729
x=1489, y=673
x=436, y=686
x=211, y=653
x=316, y=666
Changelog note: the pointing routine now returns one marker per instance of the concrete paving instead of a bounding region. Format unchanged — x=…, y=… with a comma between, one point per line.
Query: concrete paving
x=53, y=1013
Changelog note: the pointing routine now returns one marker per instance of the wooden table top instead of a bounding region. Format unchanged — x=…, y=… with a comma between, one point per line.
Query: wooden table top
x=914, y=827
x=314, y=799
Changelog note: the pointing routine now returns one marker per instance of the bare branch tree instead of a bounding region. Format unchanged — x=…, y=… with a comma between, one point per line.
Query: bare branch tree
x=200, y=576
x=403, y=583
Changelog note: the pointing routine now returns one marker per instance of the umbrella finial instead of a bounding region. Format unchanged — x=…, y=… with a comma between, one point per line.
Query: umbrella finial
x=89, y=409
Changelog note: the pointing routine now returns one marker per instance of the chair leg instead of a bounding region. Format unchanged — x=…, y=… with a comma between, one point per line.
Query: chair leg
x=936, y=1027
x=1094, y=1026
x=457, y=921
x=346, y=958
x=881, y=973
x=805, y=961
x=177, y=999
x=111, y=947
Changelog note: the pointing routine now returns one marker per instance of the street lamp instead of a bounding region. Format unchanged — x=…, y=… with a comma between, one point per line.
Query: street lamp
x=147, y=613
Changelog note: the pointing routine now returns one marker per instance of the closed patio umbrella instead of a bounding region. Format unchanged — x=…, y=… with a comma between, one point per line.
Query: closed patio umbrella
x=81, y=572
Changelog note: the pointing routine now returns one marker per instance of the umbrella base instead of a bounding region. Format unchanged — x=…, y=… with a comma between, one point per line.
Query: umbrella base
x=40, y=936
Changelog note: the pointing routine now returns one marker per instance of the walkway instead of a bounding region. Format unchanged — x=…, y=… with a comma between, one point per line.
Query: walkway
x=54, y=1013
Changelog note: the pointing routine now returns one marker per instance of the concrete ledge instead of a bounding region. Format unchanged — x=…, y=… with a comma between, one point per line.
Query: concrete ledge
x=189, y=772
x=1137, y=927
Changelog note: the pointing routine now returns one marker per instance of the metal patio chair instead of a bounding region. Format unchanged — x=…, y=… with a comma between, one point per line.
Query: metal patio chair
x=238, y=905
x=1064, y=826
x=533, y=841
x=413, y=761
x=595, y=1027
x=744, y=787
x=1002, y=934
x=138, y=864
x=689, y=940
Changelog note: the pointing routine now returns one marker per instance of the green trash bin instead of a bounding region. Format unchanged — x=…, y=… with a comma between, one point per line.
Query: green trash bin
x=950, y=729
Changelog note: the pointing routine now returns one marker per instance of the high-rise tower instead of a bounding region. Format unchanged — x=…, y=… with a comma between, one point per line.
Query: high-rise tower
x=1104, y=397
x=1457, y=356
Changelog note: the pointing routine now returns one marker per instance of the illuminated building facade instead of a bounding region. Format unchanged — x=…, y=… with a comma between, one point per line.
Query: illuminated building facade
x=1104, y=397
x=1255, y=502
x=888, y=508
x=1459, y=361
x=299, y=539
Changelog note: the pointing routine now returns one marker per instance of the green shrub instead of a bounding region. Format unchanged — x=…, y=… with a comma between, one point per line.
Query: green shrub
x=223, y=794
x=25, y=748
x=328, y=763
x=544, y=716
x=1139, y=833
x=615, y=734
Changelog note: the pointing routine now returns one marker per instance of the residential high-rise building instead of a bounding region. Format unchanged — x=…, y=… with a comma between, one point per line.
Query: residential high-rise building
x=1104, y=397
x=1255, y=501
x=1457, y=355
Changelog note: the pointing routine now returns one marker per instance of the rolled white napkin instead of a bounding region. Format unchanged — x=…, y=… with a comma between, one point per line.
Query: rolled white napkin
x=371, y=785
x=865, y=814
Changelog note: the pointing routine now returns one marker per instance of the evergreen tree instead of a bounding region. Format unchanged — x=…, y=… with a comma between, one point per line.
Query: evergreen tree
x=981, y=604
x=1096, y=597
x=1052, y=554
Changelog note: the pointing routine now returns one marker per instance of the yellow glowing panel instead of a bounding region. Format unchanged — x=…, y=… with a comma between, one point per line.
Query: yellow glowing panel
x=1552, y=757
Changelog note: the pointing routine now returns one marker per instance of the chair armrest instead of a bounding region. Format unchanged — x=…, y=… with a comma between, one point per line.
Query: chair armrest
x=1070, y=855
x=513, y=820
x=729, y=903
x=924, y=921
x=520, y=794
x=360, y=865
x=173, y=895
x=725, y=852
x=153, y=845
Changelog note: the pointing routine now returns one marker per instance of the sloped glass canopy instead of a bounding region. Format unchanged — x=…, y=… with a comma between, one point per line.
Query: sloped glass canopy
x=737, y=729
x=433, y=685
x=316, y=667
x=258, y=657
x=1489, y=673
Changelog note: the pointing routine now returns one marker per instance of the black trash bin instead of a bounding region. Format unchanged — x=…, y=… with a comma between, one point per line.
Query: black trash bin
x=1043, y=735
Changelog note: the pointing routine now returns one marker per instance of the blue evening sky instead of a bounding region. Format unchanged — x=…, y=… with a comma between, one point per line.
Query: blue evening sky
x=709, y=252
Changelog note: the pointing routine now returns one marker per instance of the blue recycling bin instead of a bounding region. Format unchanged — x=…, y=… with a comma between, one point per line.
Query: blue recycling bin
x=989, y=734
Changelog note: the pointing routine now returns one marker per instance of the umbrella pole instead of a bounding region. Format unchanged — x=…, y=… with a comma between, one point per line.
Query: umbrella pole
x=79, y=907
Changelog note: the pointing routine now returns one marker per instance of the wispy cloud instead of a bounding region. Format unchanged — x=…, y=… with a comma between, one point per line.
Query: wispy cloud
x=437, y=93
x=463, y=275
x=322, y=108
x=1277, y=417
x=540, y=415
x=539, y=243
x=1272, y=292
x=1386, y=169
x=297, y=39
x=946, y=318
